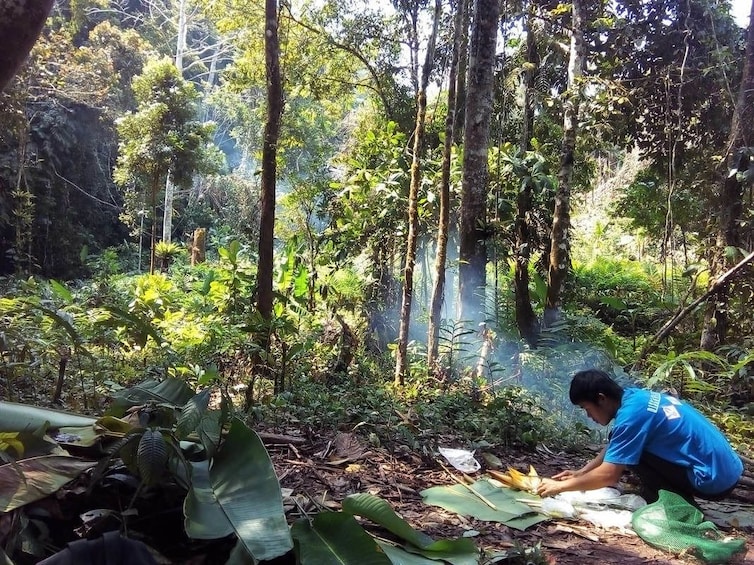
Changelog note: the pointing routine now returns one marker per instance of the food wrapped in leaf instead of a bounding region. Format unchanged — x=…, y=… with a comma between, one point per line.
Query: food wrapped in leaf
x=517, y=480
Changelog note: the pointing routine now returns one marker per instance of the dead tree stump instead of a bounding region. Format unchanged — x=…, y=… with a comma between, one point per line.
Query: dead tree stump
x=199, y=246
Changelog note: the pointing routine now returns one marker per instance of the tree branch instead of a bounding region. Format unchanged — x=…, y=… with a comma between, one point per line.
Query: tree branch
x=681, y=314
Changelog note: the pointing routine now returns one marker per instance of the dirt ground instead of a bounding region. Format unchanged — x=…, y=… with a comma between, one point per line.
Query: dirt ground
x=322, y=471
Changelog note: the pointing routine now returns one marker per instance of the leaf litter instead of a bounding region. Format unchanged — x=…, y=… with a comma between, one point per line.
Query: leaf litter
x=322, y=470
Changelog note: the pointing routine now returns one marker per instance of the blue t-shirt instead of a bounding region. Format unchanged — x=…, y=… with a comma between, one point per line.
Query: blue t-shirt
x=675, y=431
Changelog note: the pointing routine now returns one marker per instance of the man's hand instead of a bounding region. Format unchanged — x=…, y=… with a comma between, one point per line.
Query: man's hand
x=567, y=474
x=550, y=487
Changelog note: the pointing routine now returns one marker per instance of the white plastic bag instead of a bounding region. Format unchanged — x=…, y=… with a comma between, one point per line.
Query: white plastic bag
x=557, y=507
x=461, y=459
x=603, y=507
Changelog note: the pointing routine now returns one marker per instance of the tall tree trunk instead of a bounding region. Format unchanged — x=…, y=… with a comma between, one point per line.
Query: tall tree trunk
x=21, y=22
x=269, y=157
x=180, y=48
x=401, y=361
x=561, y=222
x=463, y=66
x=526, y=319
x=438, y=288
x=473, y=230
x=730, y=204
x=167, y=213
x=267, y=205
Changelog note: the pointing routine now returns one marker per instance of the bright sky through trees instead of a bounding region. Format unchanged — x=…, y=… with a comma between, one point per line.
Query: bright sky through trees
x=740, y=10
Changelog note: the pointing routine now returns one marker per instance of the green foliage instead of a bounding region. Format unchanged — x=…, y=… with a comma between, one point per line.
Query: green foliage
x=513, y=173
x=736, y=424
x=161, y=140
x=366, y=210
x=681, y=373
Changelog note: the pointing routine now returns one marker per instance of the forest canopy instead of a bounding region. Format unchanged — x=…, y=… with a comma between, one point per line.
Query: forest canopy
x=512, y=175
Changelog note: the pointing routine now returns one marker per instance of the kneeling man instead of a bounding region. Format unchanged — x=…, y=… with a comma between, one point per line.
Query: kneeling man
x=667, y=442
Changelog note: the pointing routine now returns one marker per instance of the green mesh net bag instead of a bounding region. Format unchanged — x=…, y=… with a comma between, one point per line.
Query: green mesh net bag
x=672, y=524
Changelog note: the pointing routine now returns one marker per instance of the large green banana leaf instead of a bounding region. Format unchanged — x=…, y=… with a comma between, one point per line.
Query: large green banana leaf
x=399, y=556
x=29, y=480
x=335, y=538
x=461, y=551
x=204, y=518
x=23, y=417
x=242, y=490
x=469, y=500
x=170, y=391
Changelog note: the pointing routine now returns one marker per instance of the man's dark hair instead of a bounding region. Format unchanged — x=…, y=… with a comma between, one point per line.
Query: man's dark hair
x=587, y=385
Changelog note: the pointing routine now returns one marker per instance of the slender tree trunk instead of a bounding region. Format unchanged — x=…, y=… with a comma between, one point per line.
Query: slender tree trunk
x=65, y=356
x=180, y=48
x=269, y=153
x=401, y=361
x=473, y=230
x=167, y=213
x=153, y=235
x=730, y=204
x=561, y=222
x=463, y=66
x=438, y=289
x=526, y=319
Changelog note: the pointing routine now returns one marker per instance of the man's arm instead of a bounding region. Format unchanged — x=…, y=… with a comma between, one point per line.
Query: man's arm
x=602, y=475
x=592, y=464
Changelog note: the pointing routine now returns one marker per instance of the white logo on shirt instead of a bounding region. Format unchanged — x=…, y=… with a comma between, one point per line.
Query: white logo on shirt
x=671, y=412
x=654, y=402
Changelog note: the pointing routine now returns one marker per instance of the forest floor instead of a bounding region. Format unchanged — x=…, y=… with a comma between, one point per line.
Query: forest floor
x=318, y=469
x=324, y=470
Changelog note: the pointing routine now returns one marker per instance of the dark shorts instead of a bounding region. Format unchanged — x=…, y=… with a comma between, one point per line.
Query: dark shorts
x=658, y=474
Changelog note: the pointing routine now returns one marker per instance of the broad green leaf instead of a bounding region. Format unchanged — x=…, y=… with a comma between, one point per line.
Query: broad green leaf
x=61, y=291
x=22, y=417
x=460, y=551
x=239, y=555
x=335, y=538
x=203, y=516
x=11, y=441
x=41, y=477
x=380, y=512
x=145, y=328
x=170, y=391
x=210, y=431
x=65, y=324
x=88, y=436
x=33, y=444
x=614, y=302
x=459, y=499
x=243, y=482
x=115, y=425
x=400, y=556
x=191, y=414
